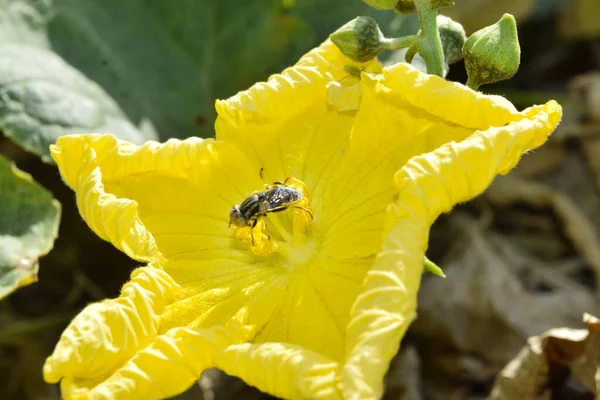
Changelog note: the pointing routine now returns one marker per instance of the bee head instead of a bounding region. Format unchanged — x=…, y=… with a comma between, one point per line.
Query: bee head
x=236, y=217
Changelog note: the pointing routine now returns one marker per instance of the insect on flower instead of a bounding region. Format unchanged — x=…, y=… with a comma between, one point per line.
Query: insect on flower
x=276, y=197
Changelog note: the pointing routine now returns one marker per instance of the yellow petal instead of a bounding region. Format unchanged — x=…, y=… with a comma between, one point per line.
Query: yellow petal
x=157, y=200
x=113, y=349
x=456, y=172
x=314, y=306
x=283, y=370
x=447, y=100
x=166, y=367
x=403, y=113
x=289, y=92
x=113, y=219
x=286, y=122
x=215, y=292
x=427, y=185
x=106, y=334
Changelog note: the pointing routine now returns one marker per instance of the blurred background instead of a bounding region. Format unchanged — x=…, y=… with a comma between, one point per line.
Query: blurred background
x=521, y=259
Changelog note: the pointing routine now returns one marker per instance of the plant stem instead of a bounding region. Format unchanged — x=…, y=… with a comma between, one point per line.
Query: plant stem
x=401, y=42
x=430, y=44
x=471, y=83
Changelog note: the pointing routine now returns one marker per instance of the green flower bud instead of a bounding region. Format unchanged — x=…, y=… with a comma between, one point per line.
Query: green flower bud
x=453, y=38
x=405, y=7
x=492, y=54
x=431, y=267
x=381, y=4
x=360, y=39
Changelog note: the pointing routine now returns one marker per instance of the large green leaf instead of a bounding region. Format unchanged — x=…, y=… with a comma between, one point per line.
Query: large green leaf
x=42, y=97
x=29, y=218
x=168, y=61
x=163, y=62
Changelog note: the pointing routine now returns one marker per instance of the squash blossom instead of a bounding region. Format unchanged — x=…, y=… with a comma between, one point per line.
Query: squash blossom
x=298, y=305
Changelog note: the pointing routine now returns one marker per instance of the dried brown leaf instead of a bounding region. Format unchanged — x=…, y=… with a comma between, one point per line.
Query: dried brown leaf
x=575, y=224
x=584, y=89
x=484, y=310
x=545, y=160
x=574, y=351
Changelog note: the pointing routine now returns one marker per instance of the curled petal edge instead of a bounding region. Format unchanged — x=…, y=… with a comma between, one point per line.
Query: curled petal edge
x=428, y=185
x=292, y=90
x=112, y=219
x=86, y=162
x=106, y=334
x=300, y=373
x=166, y=367
x=447, y=100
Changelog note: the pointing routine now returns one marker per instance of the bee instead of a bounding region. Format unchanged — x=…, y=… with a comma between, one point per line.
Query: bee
x=277, y=197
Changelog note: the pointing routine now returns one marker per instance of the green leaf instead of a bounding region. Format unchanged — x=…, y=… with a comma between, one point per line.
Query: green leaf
x=42, y=98
x=169, y=63
x=165, y=65
x=24, y=22
x=29, y=218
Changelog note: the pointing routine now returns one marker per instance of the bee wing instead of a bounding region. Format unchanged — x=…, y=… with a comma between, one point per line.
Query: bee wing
x=277, y=200
x=280, y=198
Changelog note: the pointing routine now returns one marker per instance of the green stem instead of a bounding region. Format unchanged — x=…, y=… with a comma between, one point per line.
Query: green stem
x=471, y=83
x=400, y=43
x=430, y=45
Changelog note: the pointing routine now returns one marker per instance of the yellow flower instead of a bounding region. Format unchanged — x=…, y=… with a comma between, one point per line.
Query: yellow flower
x=321, y=312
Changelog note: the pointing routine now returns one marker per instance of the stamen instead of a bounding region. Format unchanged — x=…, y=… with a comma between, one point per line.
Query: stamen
x=275, y=222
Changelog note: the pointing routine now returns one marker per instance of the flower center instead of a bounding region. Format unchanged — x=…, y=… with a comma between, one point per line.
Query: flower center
x=295, y=245
x=249, y=220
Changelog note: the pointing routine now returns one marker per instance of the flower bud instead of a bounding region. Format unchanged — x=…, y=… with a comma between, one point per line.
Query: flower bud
x=360, y=39
x=492, y=54
x=381, y=4
x=453, y=38
x=431, y=267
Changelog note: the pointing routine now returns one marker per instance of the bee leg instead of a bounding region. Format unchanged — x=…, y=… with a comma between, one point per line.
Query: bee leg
x=305, y=209
x=252, y=231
